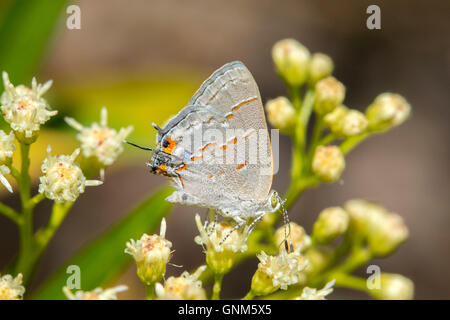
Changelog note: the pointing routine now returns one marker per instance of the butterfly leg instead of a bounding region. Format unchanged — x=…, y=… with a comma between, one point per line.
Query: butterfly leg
x=211, y=230
x=240, y=222
x=255, y=222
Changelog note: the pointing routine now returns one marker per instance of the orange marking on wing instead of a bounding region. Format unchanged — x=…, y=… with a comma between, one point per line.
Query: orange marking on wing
x=212, y=144
x=194, y=158
x=223, y=147
x=182, y=168
x=240, y=166
x=229, y=116
x=234, y=140
x=221, y=173
x=162, y=167
x=172, y=144
x=243, y=104
x=210, y=176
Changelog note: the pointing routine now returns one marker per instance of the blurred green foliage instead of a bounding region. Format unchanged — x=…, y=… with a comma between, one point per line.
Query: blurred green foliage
x=25, y=30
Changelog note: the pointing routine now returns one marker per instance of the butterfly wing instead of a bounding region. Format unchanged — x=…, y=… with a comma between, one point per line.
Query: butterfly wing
x=228, y=114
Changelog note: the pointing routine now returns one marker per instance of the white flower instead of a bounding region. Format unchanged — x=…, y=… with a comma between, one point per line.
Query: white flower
x=96, y=294
x=314, y=294
x=277, y=271
x=185, y=287
x=328, y=163
x=220, y=257
x=63, y=179
x=7, y=147
x=211, y=234
x=24, y=108
x=100, y=141
x=152, y=253
x=11, y=288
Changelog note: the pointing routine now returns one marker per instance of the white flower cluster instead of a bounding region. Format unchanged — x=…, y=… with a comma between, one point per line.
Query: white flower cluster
x=283, y=269
x=96, y=294
x=100, y=141
x=185, y=287
x=11, y=288
x=211, y=234
x=24, y=108
x=151, y=253
x=63, y=179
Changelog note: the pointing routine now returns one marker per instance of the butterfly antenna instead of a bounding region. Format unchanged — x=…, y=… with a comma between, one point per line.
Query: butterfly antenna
x=137, y=146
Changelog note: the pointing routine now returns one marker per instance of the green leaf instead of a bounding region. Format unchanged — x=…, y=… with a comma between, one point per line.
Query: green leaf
x=103, y=261
x=25, y=30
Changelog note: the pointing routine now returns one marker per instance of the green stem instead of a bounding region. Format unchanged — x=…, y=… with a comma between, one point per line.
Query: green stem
x=150, y=291
x=26, y=228
x=43, y=237
x=217, y=286
x=350, y=143
x=349, y=281
x=308, y=103
x=11, y=213
x=36, y=200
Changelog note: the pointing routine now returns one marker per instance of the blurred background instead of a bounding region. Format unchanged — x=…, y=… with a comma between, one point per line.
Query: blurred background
x=144, y=59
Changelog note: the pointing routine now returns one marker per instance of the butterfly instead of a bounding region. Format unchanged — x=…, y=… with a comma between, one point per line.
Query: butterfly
x=209, y=149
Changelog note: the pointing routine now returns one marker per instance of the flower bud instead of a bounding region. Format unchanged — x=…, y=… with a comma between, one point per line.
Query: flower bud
x=353, y=123
x=298, y=235
x=319, y=258
x=387, y=111
x=330, y=93
x=25, y=109
x=394, y=287
x=276, y=272
x=151, y=253
x=185, y=287
x=314, y=294
x=383, y=230
x=346, y=123
x=63, y=180
x=281, y=113
x=96, y=294
x=220, y=257
x=387, y=232
x=11, y=288
x=328, y=163
x=291, y=60
x=331, y=223
x=321, y=66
